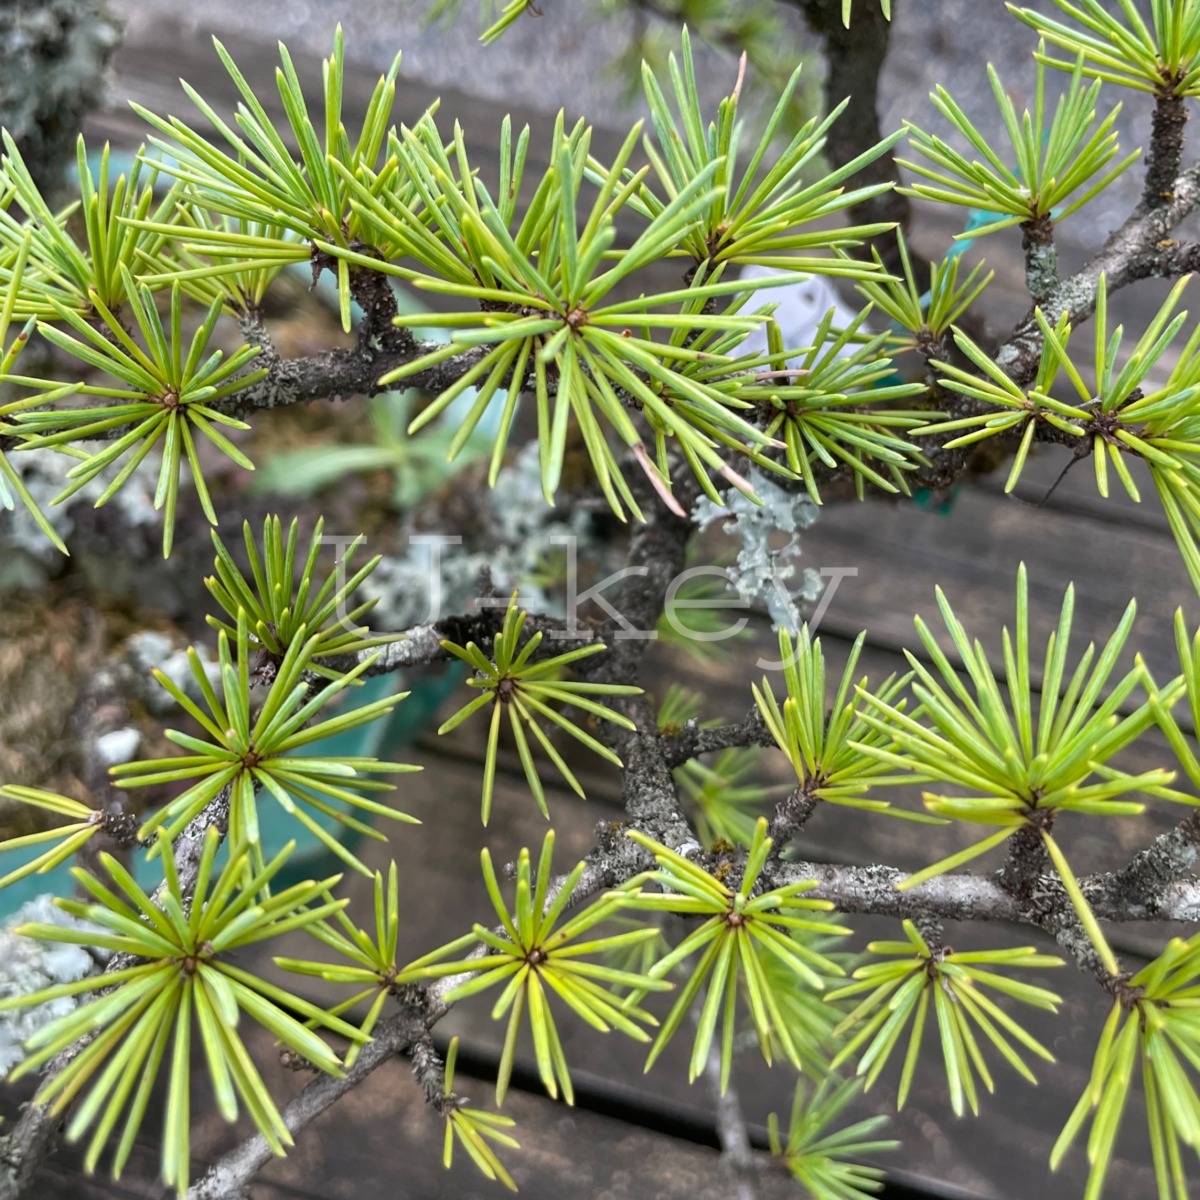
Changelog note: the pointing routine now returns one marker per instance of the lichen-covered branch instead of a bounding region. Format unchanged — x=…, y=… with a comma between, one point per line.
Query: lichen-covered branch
x=872, y=890
x=1157, y=877
x=1041, y=258
x=1157, y=884
x=55, y=56
x=342, y=373
x=792, y=813
x=1141, y=248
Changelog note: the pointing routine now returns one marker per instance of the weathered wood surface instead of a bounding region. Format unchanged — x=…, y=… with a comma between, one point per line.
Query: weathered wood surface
x=382, y=1141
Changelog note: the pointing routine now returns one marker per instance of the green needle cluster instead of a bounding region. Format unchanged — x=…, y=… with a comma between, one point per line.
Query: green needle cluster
x=739, y=932
x=923, y=313
x=830, y=406
x=1015, y=763
x=544, y=319
x=257, y=180
x=1125, y=411
x=830, y=749
x=899, y=992
x=281, y=611
x=1153, y=1024
x=475, y=1129
x=182, y=988
x=1162, y=701
x=768, y=212
x=1122, y=47
x=1060, y=162
x=12, y=486
x=725, y=804
x=536, y=958
x=815, y=1156
x=511, y=681
x=62, y=270
x=83, y=822
x=160, y=397
x=202, y=266
x=248, y=752
x=368, y=959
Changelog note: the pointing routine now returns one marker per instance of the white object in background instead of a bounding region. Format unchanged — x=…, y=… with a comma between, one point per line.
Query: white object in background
x=802, y=306
x=117, y=746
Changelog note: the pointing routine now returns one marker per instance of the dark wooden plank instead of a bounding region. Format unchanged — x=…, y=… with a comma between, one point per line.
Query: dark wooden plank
x=1044, y=487
x=382, y=1140
x=974, y=550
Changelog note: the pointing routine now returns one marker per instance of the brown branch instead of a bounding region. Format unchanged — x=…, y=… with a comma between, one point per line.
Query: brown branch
x=422, y=644
x=657, y=552
x=854, y=59
x=693, y=740
x=1166, y=145
x=1152, y=886
x=36, y=1133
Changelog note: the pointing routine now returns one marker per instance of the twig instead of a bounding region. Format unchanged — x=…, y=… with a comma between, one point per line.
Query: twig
x=692, y=740
x=1166, y=145
x=1041, y=258
x=736, y=1154
x=792, y=813
x=1139, y=249
x=1027, y=858
x=230, y=1174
